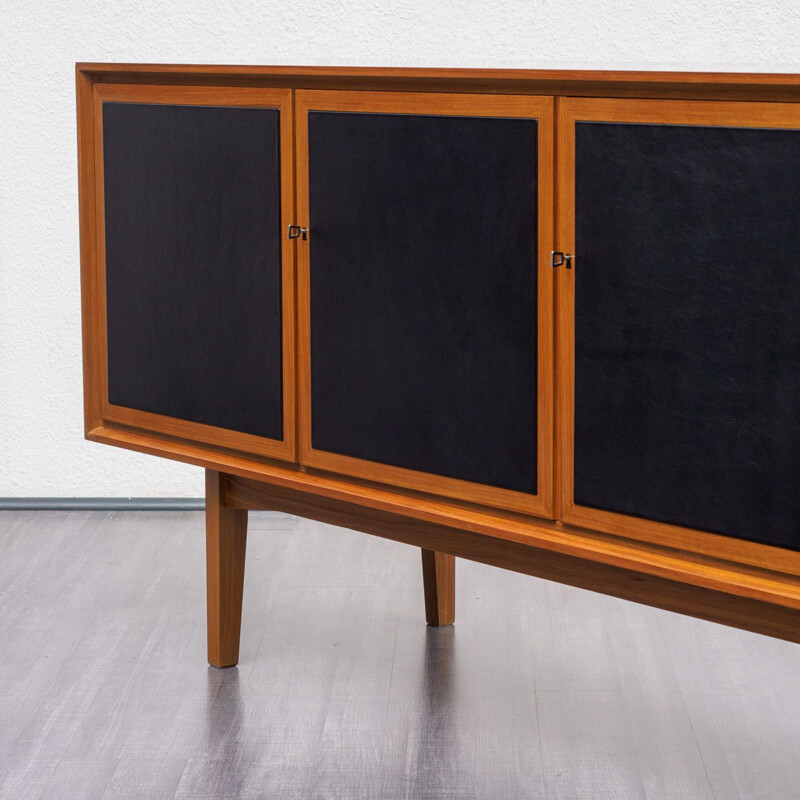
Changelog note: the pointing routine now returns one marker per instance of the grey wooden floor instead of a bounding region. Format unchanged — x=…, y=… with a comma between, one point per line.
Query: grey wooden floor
x=539, y=691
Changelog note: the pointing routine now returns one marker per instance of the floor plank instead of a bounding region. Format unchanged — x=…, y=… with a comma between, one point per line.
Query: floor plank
x=538, y=691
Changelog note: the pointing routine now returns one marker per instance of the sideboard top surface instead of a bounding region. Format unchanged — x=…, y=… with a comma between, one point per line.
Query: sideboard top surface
x=587, y=83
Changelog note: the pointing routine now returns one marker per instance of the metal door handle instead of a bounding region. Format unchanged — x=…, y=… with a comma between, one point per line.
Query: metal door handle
x=563, y=258
x=296, y=232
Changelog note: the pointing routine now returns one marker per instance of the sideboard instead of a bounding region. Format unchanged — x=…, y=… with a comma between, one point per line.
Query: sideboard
x=544, y=320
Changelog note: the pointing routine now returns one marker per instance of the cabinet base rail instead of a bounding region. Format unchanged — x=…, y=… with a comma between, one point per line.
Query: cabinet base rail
x=229, y=497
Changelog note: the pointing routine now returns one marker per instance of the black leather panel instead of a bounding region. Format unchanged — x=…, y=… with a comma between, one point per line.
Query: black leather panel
x=193, y=263
x=687, y=398
x=423, y=293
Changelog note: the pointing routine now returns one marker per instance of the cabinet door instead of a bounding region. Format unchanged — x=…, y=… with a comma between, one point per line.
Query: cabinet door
x=425, y=295
x=196, y=302
x=680, y=370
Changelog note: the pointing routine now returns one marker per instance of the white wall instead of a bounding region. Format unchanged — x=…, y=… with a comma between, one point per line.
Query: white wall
x=42, y=452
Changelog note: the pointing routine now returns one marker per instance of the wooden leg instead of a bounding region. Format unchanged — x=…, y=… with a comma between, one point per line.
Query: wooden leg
x=226, y=541
x=439, y=580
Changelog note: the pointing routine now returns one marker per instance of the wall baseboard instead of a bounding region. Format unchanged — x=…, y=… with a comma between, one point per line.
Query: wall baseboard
x=102, y=503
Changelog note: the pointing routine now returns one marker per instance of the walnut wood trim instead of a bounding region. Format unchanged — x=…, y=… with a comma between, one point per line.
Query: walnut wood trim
x=589, y=83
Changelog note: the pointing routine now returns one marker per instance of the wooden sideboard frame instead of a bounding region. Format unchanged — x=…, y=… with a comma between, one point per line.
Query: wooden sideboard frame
x=95, y=329
x=743, y=584
x=464, y=105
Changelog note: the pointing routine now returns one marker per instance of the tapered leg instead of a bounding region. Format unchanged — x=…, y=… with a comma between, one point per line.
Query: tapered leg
x=226, y=542
x=439, y=580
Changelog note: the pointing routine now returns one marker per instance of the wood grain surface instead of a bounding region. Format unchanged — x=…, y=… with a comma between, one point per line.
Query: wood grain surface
x=226, y=543
x=758, y=603
x=439, y=584
x=590, y=83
